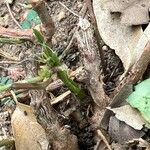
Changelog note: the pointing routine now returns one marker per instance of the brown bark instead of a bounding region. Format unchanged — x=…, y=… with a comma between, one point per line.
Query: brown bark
x=91, y=62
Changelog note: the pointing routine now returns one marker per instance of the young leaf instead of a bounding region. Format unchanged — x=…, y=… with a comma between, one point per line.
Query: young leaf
x=140, y=99
x=39, y=36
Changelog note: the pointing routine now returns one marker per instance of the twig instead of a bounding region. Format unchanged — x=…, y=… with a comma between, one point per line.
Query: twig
x=47, y=23
x=124, y=89
x=14, y=96
x=101, y=136
x=69, y=9
x=97, y=34
x=91, y=63
x=11, y=41
x=9, y=94
x=8, y=62
x=136, y=71
x=60, y=98
x=16, y=34
x=13, y=18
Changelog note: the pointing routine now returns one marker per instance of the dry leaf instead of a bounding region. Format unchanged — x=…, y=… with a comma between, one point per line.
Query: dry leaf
x=121, y=132
x=130, y=116
x=123, y=39
x=28, y=134
x=133, y=12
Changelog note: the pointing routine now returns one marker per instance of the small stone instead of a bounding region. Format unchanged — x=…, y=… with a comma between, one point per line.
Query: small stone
x=105, y=48
x=61, y=16
x=79, y=5
x=4, y=20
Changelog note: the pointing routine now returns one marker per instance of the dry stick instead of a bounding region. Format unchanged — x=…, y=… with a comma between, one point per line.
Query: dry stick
x=97, y=34
x=16, y=34
x=48, y=26
x=13, y=18
x=60, y=98
x=137, y=70
x=91, y=63
x=101, y=136
x=140, y=66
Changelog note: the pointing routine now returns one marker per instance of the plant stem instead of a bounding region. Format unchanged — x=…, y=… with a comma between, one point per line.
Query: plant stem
x=20, y=84
x=11, y=41
x=72, y=86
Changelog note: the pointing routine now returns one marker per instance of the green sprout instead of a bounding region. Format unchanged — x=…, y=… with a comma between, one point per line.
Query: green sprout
x=52, y=60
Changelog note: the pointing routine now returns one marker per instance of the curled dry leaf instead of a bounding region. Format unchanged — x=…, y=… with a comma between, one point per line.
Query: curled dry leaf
x=130, y=116
x=125, y=40
x=27, y=132
x=133, y=12
x=121, y=132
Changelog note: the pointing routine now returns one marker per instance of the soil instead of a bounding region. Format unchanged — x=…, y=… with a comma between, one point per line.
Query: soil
x=65, y=23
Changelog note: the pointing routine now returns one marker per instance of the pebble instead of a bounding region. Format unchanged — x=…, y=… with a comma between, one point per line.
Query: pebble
x=61, y=16
x=105, y=48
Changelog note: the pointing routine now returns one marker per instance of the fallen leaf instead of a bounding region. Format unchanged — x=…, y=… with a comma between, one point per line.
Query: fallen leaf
x=133, y=12
x=130, y=116
x=28, y=133
x=121, y=132
x=123, y=39
x=140, y=143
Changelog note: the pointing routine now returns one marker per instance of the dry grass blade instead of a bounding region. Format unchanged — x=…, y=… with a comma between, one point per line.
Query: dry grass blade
x=8, y=56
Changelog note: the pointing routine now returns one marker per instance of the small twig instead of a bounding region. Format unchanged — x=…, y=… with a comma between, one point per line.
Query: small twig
x=13, y=18
x=60, y=98
x=16, y=34
x=9, y=94
x=91, y=63
x=101, y=136
x=136, y=71
x=14, y=96
x=97, y=34
x=8, y=62
x=47, y=23
x=69, y=9
x=11, y=41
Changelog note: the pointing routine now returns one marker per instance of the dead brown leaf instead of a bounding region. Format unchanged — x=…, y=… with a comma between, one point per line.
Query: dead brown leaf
x=133, y=12
x=130, y=116
x=27, y=132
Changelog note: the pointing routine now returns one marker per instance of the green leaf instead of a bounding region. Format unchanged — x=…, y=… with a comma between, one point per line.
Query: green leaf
x=140, y=99
x=45, y=73
x=39, y=36
x=51, y=57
